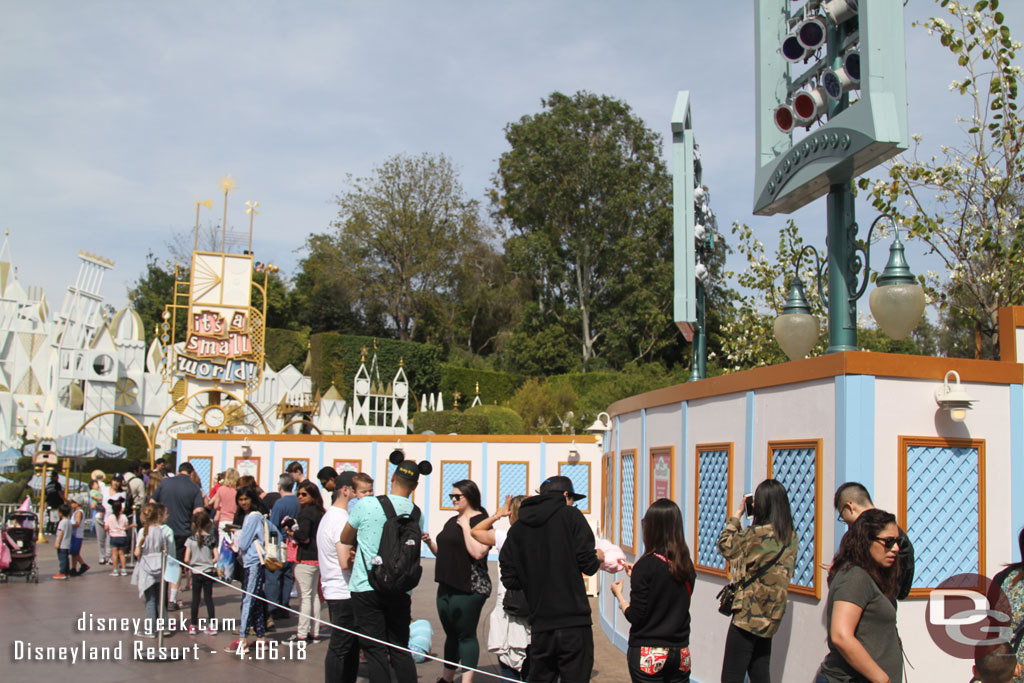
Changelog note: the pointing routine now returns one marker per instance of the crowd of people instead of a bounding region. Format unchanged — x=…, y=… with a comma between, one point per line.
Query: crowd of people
x=363, y=560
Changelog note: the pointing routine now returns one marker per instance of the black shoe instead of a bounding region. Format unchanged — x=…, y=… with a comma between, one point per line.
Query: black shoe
x=74, y=572
x=280, y=614
x=83, y=569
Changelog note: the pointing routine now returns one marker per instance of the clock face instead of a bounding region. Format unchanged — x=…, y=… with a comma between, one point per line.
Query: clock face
x=214, y=417
x=363, y=386
x=401, y=391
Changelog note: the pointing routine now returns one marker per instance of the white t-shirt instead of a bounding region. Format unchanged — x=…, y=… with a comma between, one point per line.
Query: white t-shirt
x=499, y=540
x=109, y=496
x=333, y=579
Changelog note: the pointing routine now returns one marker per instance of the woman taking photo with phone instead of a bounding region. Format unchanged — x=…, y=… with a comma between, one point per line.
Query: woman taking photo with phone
x=658, y=609
x=761, y=560
x=863, y=644
x=463, y=583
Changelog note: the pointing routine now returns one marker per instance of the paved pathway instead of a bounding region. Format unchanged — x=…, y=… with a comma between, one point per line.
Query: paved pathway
x=47, y=615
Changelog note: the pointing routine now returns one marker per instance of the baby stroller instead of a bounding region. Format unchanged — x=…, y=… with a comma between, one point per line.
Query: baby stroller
x=19, y=537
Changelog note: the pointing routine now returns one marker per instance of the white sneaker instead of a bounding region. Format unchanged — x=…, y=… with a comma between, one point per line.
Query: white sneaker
x=115, y=573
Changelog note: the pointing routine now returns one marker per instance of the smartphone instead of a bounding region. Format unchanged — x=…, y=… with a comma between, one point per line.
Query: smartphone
x=748, y=504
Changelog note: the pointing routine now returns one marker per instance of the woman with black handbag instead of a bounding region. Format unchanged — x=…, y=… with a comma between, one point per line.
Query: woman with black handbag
x=463, y=583
x=762, y=558
x=658, y=609
x=509, y=633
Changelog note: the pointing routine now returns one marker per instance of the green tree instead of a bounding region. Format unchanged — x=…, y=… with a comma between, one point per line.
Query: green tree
x=965, y=204
x=149, y=294
x=587, y=201
x=399, y=244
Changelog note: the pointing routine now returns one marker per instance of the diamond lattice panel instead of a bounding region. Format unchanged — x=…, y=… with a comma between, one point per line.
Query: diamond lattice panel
x=626, y=511
x=794, y=468
x=712, y=506
x=579, y=473
x=942, y=512
x=451, y=472
x=512, y=478
x=202, y=467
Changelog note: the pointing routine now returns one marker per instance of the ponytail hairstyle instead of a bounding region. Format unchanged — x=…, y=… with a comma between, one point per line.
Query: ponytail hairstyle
x=855, y=551
x=771, y=506
x=663, y=534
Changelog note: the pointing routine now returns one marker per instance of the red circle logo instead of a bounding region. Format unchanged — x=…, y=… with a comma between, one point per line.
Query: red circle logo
x=968, y=616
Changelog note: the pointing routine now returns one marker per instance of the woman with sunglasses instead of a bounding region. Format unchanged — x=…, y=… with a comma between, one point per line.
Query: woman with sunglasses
x=862, y=584
x=766, y=552
x=307, y=565
x=658, y=609
x=463, y=583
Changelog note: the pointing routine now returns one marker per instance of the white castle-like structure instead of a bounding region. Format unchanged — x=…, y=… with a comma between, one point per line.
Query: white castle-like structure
x=60, y=371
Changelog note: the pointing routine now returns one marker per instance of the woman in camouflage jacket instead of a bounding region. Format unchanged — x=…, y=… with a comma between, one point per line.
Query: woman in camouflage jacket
x=758, y=609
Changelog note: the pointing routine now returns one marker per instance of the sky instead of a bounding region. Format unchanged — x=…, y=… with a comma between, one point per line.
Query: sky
x=118, y=115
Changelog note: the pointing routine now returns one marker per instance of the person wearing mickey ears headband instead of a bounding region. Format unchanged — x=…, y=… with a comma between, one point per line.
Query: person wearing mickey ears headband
x=544, y=554
x=384, y=615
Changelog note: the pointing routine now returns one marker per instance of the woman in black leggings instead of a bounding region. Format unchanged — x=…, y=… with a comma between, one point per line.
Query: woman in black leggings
x=459, y=570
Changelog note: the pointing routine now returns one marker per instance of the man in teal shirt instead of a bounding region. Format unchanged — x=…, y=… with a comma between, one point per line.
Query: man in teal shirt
x=384, y=617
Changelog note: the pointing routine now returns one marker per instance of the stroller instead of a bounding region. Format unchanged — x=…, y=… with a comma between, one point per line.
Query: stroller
x=19, y=535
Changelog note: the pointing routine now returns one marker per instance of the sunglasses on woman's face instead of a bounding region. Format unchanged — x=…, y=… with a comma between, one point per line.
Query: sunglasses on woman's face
x=888, y=541
x=456, y=497
x=303, y=493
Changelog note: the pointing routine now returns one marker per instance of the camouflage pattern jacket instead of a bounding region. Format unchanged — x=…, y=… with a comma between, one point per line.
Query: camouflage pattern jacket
x=759, y=607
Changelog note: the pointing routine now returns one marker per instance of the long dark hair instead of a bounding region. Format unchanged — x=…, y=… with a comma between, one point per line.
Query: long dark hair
x=314, y=494
x=855, y=551
x=469, y=489
x=771, y=506
x=1019, y=565
x=253, y=494
x=663, y=534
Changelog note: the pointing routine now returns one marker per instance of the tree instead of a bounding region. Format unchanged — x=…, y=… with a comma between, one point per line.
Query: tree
x=965, y=204
x=587, y=201
x=400, y=241
x=150, y=293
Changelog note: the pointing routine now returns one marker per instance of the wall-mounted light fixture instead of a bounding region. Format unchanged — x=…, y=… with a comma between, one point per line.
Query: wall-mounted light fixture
x=600, y=425
x=954, y=398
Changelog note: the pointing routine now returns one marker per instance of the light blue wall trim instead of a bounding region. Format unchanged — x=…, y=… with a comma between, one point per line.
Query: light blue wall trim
x=1016, y=466
x=687, y=495
x=321, y=455
x=616, y=484
x=373, y=471
x=640, y=497
x=270, y=467
x=224, y=459
x=484, y=489
x=543, y=462
x=855, y=437
x=748, y=450
x=427, y=485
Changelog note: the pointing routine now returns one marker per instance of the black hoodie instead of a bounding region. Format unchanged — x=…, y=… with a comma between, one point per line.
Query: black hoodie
x=546, y=551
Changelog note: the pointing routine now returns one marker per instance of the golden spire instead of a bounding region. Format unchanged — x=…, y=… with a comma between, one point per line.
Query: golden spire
x=228, y=184
x=208, y=203
x=252, y=214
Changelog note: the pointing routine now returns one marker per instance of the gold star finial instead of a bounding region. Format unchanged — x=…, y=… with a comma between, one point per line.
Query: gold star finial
x=227, y=183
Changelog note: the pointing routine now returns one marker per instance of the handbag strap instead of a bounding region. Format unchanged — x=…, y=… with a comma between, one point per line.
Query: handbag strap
x=762, y=569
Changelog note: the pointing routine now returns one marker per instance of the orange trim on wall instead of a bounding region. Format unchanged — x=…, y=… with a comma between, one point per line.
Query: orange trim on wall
x=702, y=447
x=826, y=367
x=257, y=460
x=608, y=498
x=904, y=443
x=815, y=590
x=622, y=482
x=389, y=438
x=1010, y=318
x=443, y=495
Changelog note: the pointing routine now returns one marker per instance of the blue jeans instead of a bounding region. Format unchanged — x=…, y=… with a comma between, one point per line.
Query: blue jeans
x=279, y=585
x=62, y=561
x=152, y=598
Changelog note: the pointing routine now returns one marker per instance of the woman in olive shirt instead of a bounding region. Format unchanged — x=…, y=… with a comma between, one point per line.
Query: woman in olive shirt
x=459, y=597
x=862, y=584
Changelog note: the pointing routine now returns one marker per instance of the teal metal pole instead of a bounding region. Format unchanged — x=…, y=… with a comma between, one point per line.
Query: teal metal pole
x=699, y=347
x=843, y=266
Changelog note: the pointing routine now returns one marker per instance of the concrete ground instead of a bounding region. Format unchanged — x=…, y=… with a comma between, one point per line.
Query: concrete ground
x=47, y=614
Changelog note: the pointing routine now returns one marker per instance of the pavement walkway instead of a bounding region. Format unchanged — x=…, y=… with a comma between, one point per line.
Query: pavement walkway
x=47, y=615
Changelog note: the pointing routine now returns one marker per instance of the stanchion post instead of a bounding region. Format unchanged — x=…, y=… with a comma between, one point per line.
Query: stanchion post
x=161, y=609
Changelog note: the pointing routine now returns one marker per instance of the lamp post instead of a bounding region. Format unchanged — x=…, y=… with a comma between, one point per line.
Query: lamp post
x=897, y=302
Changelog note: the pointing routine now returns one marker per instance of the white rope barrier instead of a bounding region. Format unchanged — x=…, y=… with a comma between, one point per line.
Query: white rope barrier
x=342, y=628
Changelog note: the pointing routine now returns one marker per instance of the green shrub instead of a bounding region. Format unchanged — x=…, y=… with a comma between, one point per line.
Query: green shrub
x=499, y=420
x=12, y=493
x=286, y=347
x=131, y=437
x=441, y=422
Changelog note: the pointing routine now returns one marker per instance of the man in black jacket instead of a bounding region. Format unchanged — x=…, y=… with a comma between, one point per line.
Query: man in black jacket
x=546, y=552
x=852, y=499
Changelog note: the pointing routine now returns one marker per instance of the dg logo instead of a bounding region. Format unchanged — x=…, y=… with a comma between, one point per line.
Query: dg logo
x=968, y=616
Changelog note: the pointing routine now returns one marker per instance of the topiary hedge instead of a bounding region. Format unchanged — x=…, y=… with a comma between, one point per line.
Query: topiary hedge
x=11, y=493
x=335, y=359
x=286, y=347
x=495, y=387
x=478, y=420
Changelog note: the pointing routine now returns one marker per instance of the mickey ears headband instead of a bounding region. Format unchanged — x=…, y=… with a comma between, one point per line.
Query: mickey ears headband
x=397, y=457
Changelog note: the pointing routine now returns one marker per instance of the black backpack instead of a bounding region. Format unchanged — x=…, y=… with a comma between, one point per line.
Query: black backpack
x=396, y=569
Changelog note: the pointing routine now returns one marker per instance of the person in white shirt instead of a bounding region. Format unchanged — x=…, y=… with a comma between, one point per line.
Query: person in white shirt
x=342, y=660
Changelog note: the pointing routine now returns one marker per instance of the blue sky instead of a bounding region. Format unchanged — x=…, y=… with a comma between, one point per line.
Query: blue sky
x=116, y=115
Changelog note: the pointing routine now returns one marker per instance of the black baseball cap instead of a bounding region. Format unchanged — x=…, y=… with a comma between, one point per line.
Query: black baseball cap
x=562, y=485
